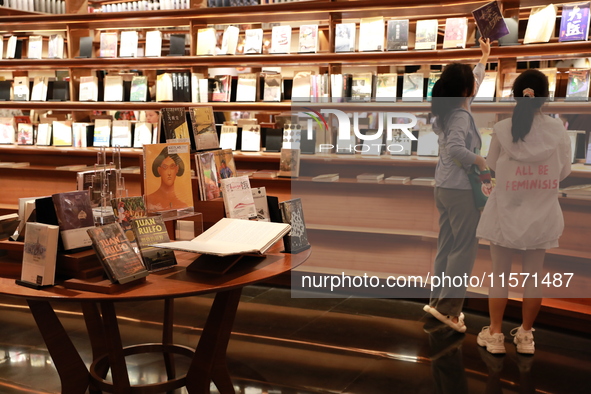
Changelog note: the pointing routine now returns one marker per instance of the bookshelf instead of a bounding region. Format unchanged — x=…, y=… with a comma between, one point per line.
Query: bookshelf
x=408, y=236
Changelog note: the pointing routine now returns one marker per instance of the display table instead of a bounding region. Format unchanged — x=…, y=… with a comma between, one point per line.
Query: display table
x=208, y=360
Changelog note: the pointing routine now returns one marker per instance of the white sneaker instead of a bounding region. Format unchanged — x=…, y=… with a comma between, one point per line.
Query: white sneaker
x=524, y=340
x=494, y=343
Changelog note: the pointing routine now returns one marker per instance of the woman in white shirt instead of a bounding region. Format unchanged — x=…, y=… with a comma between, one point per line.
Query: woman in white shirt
x=530, y=154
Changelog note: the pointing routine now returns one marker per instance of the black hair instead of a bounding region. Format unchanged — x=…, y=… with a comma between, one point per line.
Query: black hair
x=451, y=89
x=163, y=155
x=527, y=104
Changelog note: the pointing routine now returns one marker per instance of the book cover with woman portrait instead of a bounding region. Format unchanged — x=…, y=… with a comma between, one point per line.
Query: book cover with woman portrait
x=167, y=177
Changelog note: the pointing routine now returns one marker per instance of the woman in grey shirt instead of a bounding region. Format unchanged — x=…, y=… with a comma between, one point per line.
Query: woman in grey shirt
x=459, y=139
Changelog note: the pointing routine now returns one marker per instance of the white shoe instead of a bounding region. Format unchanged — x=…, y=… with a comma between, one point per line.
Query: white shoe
x=524, y=340
x=494, y=343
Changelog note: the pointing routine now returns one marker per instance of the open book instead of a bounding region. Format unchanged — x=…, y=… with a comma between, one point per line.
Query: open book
x=233, y=236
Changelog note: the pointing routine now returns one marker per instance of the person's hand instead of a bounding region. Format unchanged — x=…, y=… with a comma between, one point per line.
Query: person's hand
x=480, y=163
x=484, y=48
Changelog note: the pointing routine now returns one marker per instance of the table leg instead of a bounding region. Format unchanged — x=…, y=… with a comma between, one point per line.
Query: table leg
x=74, y=375
x=167, y=337
x=121, y=384
x=209, y=362
x=96, y=334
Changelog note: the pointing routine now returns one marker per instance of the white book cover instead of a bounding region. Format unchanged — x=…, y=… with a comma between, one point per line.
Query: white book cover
x=336, y=87
x=229, y=137
x=259, y=195
x=35, y=47
x=251, y=138
x=238, y=199
x=246, y=90
x=203, y=90
x=113, y=88
x=206, y=41
x=371, y=34
x=253, y=42
x=272, y=87
x=39, y=92
x=399, y=145
x=153, y=43
x=456, y=31
x=21, y=89
x=308, y=42
x=426, y=34
x=88, y=89
x=79, y=136
x=195, y=77
x=11, y=47
x=102, y=132
x=62, y=133
x=142, y=134
x=281, y=39
x=345, y=37
x=301, y=86
x=55, y=49
x=129, y=43
x=1, y=47
x=233, y=236
x=428, y=142
x=121, y=133
x=7, y=131
x=230, y=40
x=486, y=91
x=540, y=24
x=43, y=134
x=412, y=87
x=386, y=86
x=40, y=254
x=163, y=87
x=108, y=44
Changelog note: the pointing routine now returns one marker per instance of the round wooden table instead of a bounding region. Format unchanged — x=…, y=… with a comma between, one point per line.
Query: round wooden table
x=208, y=359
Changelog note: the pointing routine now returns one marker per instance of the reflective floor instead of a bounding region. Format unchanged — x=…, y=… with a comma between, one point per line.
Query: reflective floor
x=285, y=345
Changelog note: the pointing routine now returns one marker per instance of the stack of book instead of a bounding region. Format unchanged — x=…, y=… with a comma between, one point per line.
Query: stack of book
x=370, y=178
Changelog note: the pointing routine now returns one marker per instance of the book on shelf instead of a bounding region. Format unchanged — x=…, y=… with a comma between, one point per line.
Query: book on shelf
x=507, y=90
x=13, y=164
x=433, y=78
x=206, y=39
x=540, y=24
x=26, y=214
x=203, y=126
x=577, y=88
x=148, y=231
x=39, y=91
x=301, y=85
x=177, y=45
x=486, y=138
x=426, y=34
x=281, y=39
x=397, y=35
x=153, y=43
x=272, y=87
x=121, y=133
x=108, y=44
x=238, y=198
x=326, y=178
x=427, y=141
x=88, y=88
x=247, y=87
x=139, y=88
x=129, y=43
x=308, y=42
x=423, y=181
x=486, y=91
x=345, y=37
x=574, y=22
x=55, y=48
x=40, y=254
x=361, y=86
x=229, y=40
x=62, y=132
x=259, y=195
x=44, y=134
x=11, y=47
x=289, y=163
x=74, y=216
x=116, y=254
x=125, y=210
x=8, y=224
x=292, y=213
x=397, y=180
x=7, y=130
x=225, y=166
x=174, y=124
x=21, y=89
x=113, y=88
x=550, y=73
x=164, y=88
x=229, y=137
x=490, y=22
x=35, y=47
x=233, y=236
x=80, y=133
x=167, y=177
x=412, y=87
x=371, y=34
x=370, y=178
x=24, y=134
x=209, y=182
x=456, y=30
x=251, y=138
x=512, y=37
x=195, y=96
x=203, y=90
x=572, y=135
x=267, y=174
x=2, y=48
x=85, y=47
x=253, y=42
x=399, y=145
x=577, y=191
x=221, y=88
x=102, y=132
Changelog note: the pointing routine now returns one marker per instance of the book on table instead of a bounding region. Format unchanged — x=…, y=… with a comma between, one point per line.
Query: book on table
x=296, y=240
x=238, y=198
x=259, y=195
x=8, y=224
x=233, y=236
x=40, y=254
x=74, y=215
x=148, y=230
x=126, y=209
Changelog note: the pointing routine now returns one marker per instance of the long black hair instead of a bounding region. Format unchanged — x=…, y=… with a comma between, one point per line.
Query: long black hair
x=530, y=90
x=449, y=92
